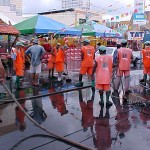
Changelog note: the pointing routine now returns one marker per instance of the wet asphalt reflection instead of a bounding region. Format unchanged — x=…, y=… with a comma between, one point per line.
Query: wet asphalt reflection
x=78, y=116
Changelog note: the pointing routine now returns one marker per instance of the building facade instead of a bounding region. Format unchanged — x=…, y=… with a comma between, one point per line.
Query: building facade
x=84, y=4
x=11, y=11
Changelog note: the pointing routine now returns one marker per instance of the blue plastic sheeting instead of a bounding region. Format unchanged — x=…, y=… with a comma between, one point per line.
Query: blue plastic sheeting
x=45, y=25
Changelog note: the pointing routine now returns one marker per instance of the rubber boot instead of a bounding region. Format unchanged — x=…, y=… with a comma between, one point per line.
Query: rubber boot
x=127, y=82
x=101, y=103
x=108, y=103
x=145, y=79
x=17, y=83
x=117, y=83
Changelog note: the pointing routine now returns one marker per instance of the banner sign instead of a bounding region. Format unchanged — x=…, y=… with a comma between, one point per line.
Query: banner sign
x=139, y=18
x=135, y=35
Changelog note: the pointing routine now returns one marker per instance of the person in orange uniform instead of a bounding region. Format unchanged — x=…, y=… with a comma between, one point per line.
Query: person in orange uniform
x=18, y=62
x=87, y=64
x=60, y=60
x=52, y=60
x=124, y=61
x=146, y=61
x=103, y=68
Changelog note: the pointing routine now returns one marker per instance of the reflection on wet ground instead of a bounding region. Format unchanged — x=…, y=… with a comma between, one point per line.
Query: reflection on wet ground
x=78, y=116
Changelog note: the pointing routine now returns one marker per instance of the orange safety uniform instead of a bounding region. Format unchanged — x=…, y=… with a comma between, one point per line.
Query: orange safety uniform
x=87, y=63
x=60, y=59
x=146, y=61
x=52, y=59
x=19, y=61
x=104, y=72
x=124, y=56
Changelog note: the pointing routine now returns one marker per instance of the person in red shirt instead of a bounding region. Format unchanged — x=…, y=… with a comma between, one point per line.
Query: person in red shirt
x=103, y=68
x=124, y=61
x=87, y=64
x=146, y=62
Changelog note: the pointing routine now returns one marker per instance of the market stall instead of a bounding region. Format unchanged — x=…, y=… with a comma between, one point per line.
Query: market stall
x=9, y=35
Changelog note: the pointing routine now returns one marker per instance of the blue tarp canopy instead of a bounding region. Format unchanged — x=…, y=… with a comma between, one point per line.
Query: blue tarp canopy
x=41, y=25
x=91, y=28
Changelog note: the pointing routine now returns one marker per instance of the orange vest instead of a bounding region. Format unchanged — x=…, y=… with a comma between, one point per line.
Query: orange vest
x=60, y=57
x=104, y=69
x=146, y=57
x=20, y=59
x=52, y=57
x=124, y=56
x=88, y=60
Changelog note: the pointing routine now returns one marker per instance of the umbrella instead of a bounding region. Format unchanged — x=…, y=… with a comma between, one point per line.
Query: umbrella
x=92, y=28
x=41, y=25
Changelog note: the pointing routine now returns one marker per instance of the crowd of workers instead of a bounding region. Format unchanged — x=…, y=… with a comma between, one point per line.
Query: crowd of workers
x=100, y=68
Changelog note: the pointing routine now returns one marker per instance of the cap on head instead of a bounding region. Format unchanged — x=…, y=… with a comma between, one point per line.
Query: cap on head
x=35, y=41
x=58, y=44
x=65, y=47
x=19, y=44
x=86, y=40
x=102, y=48
x=147, y=43
x=123, y=41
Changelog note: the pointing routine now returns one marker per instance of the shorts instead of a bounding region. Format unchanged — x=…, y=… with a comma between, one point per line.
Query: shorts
x=146, y=70
x=124, y=73
x=60, y=67
x=51, y=65
x=35, y=69
x=85, y=70
x=104, y=87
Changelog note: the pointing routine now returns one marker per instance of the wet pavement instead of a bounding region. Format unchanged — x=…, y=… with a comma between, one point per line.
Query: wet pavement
x=78, y=116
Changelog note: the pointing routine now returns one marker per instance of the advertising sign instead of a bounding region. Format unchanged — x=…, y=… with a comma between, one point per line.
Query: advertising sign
x=139, y=18
x=135, y=35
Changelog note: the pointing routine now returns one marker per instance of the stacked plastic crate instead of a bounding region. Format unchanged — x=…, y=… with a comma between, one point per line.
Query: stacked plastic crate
x=73, y=56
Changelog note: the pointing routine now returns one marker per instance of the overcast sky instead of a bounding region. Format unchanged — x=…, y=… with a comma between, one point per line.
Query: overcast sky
x=117, y=6
x=31, y=6
x=35, y=6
